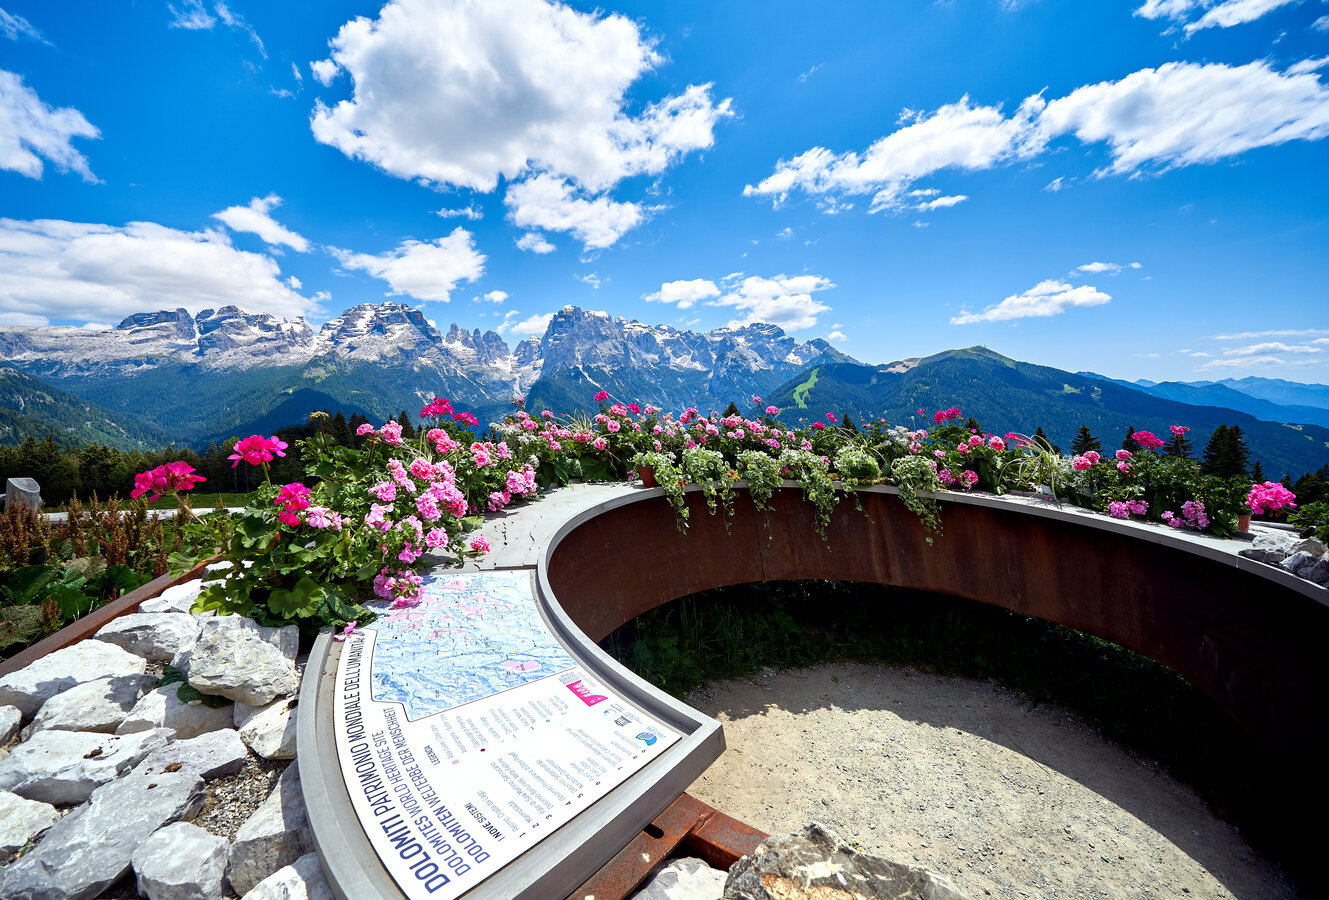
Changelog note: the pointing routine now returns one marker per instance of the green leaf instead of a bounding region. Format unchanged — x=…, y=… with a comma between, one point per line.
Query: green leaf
x=188, y=693
x=170, y=675
x=28, y=585
x=300, y=602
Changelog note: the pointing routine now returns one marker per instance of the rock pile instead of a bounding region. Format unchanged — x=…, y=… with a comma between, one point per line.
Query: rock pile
x=1304, y=557
x=111, y=769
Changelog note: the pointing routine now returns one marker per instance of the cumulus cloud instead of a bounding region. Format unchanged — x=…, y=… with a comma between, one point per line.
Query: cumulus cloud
x=837, y=336
x=1321, y=24
x=462, y=94
x=554, y=204
x=1223, y=14
x=17, y=28
x=534, y=326
x=53, y=269
x=254, y=219
x=496, y=296
x=684, y=293
x=1273, y=347
x=784, y=300
x=1047, y=298
x=535, y=242
x=1153, y=119
x=422, y=269
x=1263, y=362
x=324, y=71
x=30, y=131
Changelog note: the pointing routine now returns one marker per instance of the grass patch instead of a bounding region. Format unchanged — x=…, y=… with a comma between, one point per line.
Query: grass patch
x=801, y=392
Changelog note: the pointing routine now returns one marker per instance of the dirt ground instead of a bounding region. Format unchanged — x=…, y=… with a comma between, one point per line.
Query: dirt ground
x=969, y=780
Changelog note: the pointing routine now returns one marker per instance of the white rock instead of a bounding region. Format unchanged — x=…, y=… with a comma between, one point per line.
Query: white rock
x=301, y=880
x=177, y=599
x=268, y=730
x=99, y=705
x=162, y=708
x=10, y=720
x=65, y=767
x=181, y=862
x=276, y=835
x=208, y=756
x=157, y=637
x=236, y=658
x=22, y=820
x=1299, y=561
x=90, y=848
x=685, y=879
x=33, y=685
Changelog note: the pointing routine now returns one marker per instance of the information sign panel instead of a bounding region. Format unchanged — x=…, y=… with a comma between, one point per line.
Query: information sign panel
x=466, y=733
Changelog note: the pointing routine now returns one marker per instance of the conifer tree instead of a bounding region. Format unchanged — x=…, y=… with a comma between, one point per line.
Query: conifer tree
x=1085, y=441
x=1226, y=455
x=1042, y=440
x=1180, y=446
x=407, y=429
x=1257, y=472
x=1129, y=443
x=730, y=410
x=847, y=422
x=972, y=425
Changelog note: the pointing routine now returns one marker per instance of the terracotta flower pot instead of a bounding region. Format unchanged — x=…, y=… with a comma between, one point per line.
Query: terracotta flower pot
x=1243, y=523
x=647, y=476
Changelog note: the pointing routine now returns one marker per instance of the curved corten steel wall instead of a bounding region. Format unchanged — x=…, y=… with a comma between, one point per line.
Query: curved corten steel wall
x=1251, y=643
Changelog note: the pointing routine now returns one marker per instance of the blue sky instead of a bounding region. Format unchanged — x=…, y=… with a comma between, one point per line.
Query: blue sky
x=1136, y=188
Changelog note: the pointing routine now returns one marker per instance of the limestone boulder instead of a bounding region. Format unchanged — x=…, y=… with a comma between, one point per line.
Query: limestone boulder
x=98, y=706
x=683, y=879
x=33, y=685
x=235, y=657
x=268, y=730
x=157, y=637
x=65, y=767
x=276, y=835
x=816, y=864
x=163, y=708
x=10, y=720
x=301, y=880
x=176, y=599
x=91, y=848
x=208, y=756
x=1299, y=562
x=21, y=821
x=181, y=862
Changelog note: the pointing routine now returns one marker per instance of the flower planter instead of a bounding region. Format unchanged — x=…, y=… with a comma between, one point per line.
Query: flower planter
x=647, y=476
x=1243, y=523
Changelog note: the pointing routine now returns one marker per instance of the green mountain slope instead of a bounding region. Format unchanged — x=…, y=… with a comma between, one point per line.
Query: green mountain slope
x=1006, y=395
x=29, y=407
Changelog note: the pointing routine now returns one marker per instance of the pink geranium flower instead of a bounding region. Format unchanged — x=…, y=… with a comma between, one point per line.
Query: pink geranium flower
x=165, y=479
x=257, y=449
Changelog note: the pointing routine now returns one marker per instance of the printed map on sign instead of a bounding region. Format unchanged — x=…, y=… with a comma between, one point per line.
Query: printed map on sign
x=473, y=636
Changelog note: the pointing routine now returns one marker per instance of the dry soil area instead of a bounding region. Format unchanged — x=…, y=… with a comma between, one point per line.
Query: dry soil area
x=969, y=780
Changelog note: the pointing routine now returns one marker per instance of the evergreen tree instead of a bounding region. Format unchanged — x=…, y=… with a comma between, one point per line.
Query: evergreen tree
x=1226, y=455
x=972, y=426
x=1180, y=446
x=407, y=430
x=1313, y=486
x=1257, y=472
x=1129, y=443
x=730, y=410
x=1042, y=440
x=339, y=430
x=1085, y=441
x=847, y=423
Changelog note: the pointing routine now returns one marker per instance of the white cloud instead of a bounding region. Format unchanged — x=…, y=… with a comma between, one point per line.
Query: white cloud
x=1306, y=66
x=421, y=269
x=1055, y=184
x=31, y=130
x=470, y=211
x=533, y=326
x=496, y=296
x=1187, y=113
x=295, y=70
x=684, y=293
x=53, y=269
x=1097, y=268
x=1222, y=15
x=809, y=73
x=555, y=205
x=234, y=20
x=254, y=218
x=1286, y=332
x=1321, y=24
x=324, y=70
x=958, y=135
x=1271, y=347
x=1047, y=298
x=592, y=279
x=535, y=242
x=1176, y=115
x=784, y=234
x=837, y=336
x=191, y=16
x=1265, y=362
x=784, y=300
x=941, y=202
x=463, y=94
x=16, y=28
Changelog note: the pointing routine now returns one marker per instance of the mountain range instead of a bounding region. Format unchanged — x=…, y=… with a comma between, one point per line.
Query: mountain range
x=223, y=373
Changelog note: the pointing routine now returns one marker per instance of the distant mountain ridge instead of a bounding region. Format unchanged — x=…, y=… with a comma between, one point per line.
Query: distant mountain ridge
x=224, y=372
x=1006, y=395
x=29, y=407
x=1227, y=395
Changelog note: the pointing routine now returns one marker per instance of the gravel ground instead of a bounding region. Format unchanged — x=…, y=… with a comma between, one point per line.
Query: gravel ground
x=969, y=780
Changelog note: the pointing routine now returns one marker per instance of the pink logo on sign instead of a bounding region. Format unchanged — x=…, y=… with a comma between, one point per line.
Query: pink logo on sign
x=586, y=696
